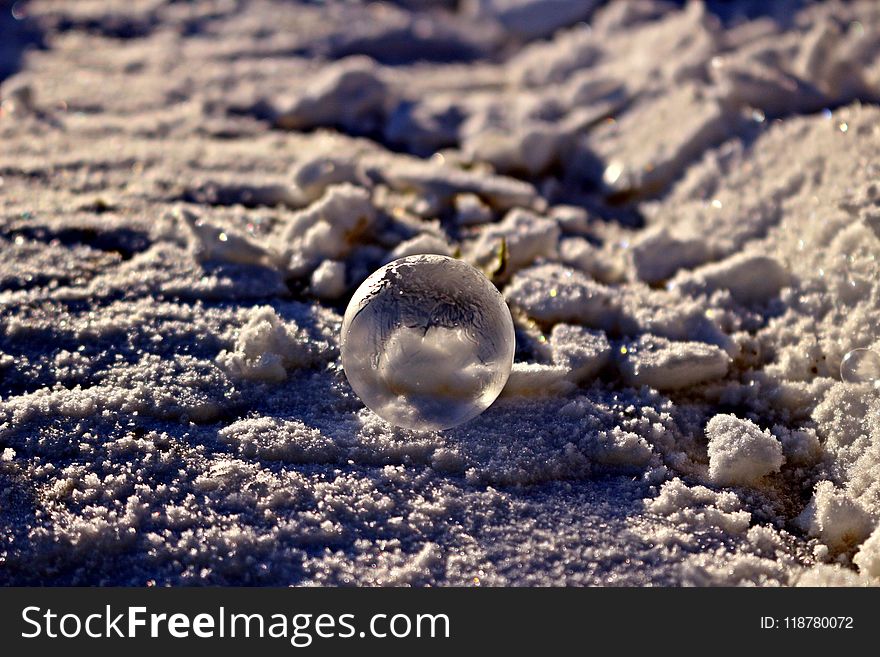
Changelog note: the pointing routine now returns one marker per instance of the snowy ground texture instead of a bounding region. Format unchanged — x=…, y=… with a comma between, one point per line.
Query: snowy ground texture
x=690, y=201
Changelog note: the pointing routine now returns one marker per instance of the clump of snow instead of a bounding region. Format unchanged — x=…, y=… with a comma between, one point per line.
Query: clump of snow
x=598, y=263
x=868, y=557
x=531, y=19
x=622, y=448
x=528, y=237
x=313, y=175
x=829, y=576
x=740, y=453
x=328, y=280
x=423, y=244
x=750, y=278
x=552, y=293
x=554, y=61
x=835, y=518
x=443, y=183
x=212, y=242
x=698, y=507
x=18, y=97
x=538, y=379
x=350, y=94
x=691, y=119
x=329, y=227
x=515, y=144
x=572, y=219
x=657, y=254
x=274, y=439
x=266, y=348
x=471, y=211
x=800, y=446
x=582, y=351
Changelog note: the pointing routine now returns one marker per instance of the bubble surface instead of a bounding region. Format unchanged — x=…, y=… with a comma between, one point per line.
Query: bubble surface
x=861, y=366
x=427, y=342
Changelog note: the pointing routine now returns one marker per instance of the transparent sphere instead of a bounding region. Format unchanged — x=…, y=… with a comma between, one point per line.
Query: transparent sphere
x=427, y=342
x=861, y=366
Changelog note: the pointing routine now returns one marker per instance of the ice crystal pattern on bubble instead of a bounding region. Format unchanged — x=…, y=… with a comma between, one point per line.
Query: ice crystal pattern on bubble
x=427, y=342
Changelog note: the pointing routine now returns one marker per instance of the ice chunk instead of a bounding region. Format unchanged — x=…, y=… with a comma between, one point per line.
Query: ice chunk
x=665, y=365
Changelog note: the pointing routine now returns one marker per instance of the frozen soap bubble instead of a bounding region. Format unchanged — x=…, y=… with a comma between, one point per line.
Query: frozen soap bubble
x=861, y=366
x=427, y=342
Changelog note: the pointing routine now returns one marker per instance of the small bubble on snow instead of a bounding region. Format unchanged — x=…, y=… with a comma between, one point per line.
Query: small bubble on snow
x=861, y=366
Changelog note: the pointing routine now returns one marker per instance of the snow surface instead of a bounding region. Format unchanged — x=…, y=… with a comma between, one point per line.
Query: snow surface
x=679, y=203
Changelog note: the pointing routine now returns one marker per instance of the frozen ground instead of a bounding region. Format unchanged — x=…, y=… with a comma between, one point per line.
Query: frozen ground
x=689, y=198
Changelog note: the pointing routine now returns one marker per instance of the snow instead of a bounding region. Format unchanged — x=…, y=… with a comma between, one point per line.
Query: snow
x=210, y=242
x=423, y=244
x=656, y=254
x=551, y=294
x=328, y=280
x=527, y=237
x=538, y=379
x=749, y=278
x=331, y=225
x=678, y=204
x=699, y=506
x=740, y=453
x=582, y=351
x=350, y=94
x=868, y=557
x=266, y=348
x=531, y=18
x=470, y=210
x=835, y=518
